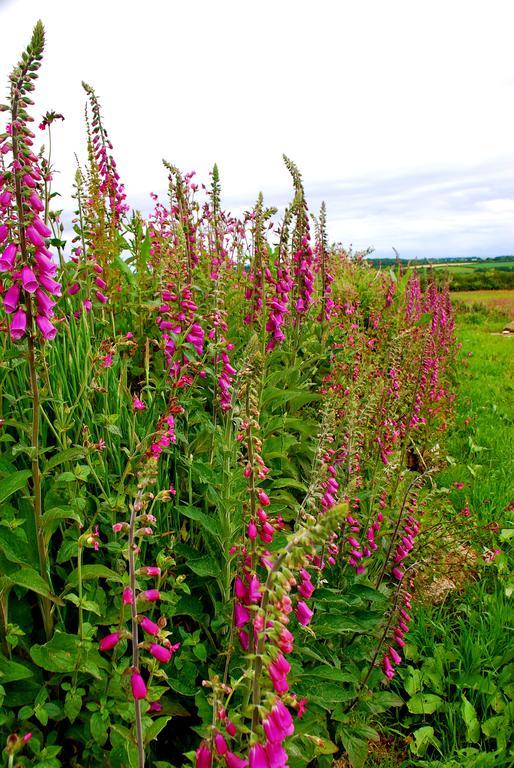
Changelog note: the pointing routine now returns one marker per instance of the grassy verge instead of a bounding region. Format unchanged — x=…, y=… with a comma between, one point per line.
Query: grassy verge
x=458, y=678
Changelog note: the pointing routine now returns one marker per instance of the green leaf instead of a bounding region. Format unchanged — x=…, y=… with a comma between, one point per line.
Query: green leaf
x=26, y=577
x=11, y=671
x=93, y=572
x=98, y=726
x=356, y=748
x=53, y=517
x=469, y=715
x=357, y=621
x=325, y=672
x=204, y=566
x=72, y=705
x=423, y=738
x=210, y=524
x=70, y=454
x=424, y=704
x=14, y=482
x=60, y=654
x=155, y=728
x=14, y=546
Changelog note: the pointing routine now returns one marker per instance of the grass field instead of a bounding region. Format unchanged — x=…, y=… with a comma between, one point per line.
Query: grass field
x=501, y=300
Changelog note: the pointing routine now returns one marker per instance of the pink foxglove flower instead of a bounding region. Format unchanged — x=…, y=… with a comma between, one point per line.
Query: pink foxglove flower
x=138, y=686
x=48, y=330
x=151, y=595
x=234, y=761
x=203, y=757
x=303, y=613
x=109, y=641
x=160, y=653
x=149, y=626
x=18, y=325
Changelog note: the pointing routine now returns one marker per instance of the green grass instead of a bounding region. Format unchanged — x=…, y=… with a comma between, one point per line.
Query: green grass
x=482, y=441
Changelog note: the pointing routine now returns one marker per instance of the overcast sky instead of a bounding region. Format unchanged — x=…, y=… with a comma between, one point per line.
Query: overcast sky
x=399, y=113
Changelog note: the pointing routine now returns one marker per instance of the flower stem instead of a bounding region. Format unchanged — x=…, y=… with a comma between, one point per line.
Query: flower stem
x=136, y=508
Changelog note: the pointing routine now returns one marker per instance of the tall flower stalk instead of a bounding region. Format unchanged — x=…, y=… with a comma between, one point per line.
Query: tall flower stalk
x=26, y=261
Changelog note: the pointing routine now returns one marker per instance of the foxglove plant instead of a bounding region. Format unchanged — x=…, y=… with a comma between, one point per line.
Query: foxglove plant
x=26, y=261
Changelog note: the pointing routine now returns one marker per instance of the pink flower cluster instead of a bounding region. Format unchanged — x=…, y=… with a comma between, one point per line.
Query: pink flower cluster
x=110, y=185
x=157, y=644
x=303, y=271
x=409, y=532
x=279, y=306
x=391, y=656
x=177, y=320
x=25, y=259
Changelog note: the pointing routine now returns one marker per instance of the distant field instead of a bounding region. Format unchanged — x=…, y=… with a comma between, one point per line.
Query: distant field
x=497, y=299
x=465, y=266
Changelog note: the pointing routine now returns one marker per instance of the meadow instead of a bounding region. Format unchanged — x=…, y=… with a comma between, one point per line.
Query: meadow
x=255, y=492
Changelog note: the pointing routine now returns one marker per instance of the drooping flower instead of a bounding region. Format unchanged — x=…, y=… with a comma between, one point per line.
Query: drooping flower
x=138, y=686
x=109, y=641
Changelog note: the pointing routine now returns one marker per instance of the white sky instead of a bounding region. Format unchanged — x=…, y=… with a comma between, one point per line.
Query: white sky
x=399, y=113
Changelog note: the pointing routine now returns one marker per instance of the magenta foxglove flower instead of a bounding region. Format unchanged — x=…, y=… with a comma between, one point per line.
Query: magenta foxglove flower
x=8, y=258
x=34, y=237
x=148, y=626
x=276, y=754
x=138, y=686
x=4, y=231
x=151, y=570
x=48, y=330
x=242, y=615
x=203, y=756
x=160, y=653
x=303, y=613
x=257, y=757
x=18, y=325
x=234, y=761
x=109, y=641
x=263, y=497
x=127, y=597
x=220, y=744
x=152, y=595
x=12, y=299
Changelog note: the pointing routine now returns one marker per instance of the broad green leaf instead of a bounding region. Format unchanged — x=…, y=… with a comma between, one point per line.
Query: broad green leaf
x=96, y=571
x=423, y=738
x=424, y=704
x=469, y=715
x=204, y=566
x=98, y=726
x=14, y=546
x=60, y=654
x=16, y=481
x=210, y=524
x=155, y=728
x=325, y=672
x=355, y=747
x=10, y=671
x=70, y=454
x=72, y=705
x=26, y=577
